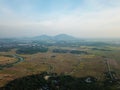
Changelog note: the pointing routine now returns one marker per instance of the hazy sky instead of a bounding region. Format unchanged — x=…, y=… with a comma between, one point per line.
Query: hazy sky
x=80, y=18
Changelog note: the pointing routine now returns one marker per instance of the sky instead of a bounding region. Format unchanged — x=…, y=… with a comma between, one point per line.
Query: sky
x=79, y=18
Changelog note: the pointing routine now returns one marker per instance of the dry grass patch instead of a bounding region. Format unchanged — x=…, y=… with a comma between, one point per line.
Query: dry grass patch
x=5, y=60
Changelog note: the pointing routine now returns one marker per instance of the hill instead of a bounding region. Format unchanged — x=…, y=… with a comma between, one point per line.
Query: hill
x=64, y=37
x=60, y=37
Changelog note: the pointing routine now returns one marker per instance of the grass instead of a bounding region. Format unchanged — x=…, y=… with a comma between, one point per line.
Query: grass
x=5, y=60
x=83, y=65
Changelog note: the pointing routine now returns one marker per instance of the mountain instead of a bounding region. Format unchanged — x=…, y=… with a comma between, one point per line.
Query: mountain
x=64, y=37
x=59, y=37
x=43, y=37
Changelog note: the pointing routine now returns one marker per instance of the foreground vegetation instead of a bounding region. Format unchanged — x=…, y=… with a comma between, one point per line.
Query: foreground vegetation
x=52, y=81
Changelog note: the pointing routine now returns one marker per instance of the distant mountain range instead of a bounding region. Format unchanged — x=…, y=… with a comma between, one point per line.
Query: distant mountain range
x=60, y=37
x=45, y=38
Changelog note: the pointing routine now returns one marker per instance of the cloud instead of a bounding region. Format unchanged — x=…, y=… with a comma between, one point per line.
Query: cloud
x=95, y=18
